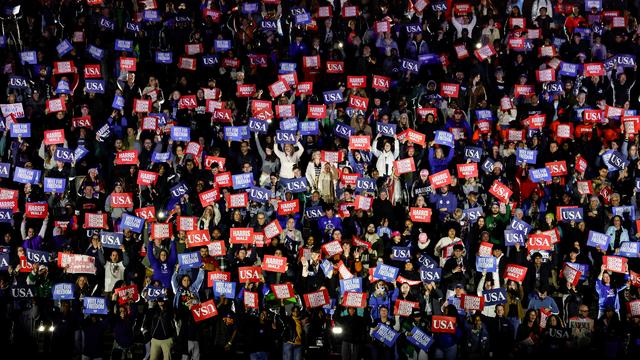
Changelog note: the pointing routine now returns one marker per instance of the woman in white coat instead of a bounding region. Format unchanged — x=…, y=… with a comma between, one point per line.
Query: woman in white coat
x=289, y=157
x=387, y=156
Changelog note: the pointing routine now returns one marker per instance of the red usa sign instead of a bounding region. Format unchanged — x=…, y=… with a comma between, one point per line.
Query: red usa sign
x=443, y=324
x=357, y=102
x=420, y=214
x=197, y=238
x=82, y=121
x=187, y=102
x=121, y=200
x=381, y=82
x=241, y=236
x=440, y=179
x=249, y=273
x=539, y=242
x=335, y=67
x=147, y=213
x=274, y=263
x=557, y=168
x=204, y=311
x=500, y=191
x=92, y=71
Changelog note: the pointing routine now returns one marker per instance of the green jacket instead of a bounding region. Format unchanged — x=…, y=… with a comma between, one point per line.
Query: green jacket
x=496, y=224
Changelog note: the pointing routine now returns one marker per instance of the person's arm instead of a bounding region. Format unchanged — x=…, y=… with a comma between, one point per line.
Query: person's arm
x=174, y=282
x=23, y=228
x=300, y=150
x=396, y=147
x=152, y=259
x=481, y=283
x=450, y=155
x=431, y=156
x=125, y=257
x=278, y=152
x=374, y=147
x=101, y=256
x=198, y=282
x=263, y=156
x=41, y=152
x=456, y=25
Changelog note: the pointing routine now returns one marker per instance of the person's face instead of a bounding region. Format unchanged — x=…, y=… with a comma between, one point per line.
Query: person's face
x=457, y=253
x=584, y=311
x=384, y=312
x=451, y=233
x=118, y=144
x=387, y=147
x=163, y=256
x=186, y=282
x=532, y=316
x=114, y=256
x=500, y=311
x=291, y=224
x=242, y=254
x=337, y=235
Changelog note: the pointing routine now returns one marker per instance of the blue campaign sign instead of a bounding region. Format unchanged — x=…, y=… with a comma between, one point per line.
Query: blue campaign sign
x=520, y=225
x=420, y=339
x=228, y=289
x=444, y=138
x=131, y=222
x=123, y=45
x=333, y=97
x=20, y=129
x=365, y=185
x=327, y=267
x=472, y=153
x=386, y=272
x=94, y=86
x=618, y=161
x=353, y=284
x=385, y=334
x=400, y=253
x=4, y=258
x=259, y=194
x=495, y=296
x=410, y=65
x=428, y=275
x=164, y=57
x=55, y=185
x=295, y=185
x=539, y=175
x=386, y=129
x=427, y=262
x=526, y=156
x=290, y=124
x=286, y=137
x=242, y=181
x=629, y=249
x=111, y=240
x=180, y=133
x=622, y=210
x=190, y=260
x=222, y=45
x=6, y=216
x=152, y=293
x=598, y=240
x=258, y=126
x=236, y=133
x=64, y=47
x=309, y=127
x=179, y=190
x=63, y=154
x=26, y=176
x=95, y=305
x=118, y=102
x=40, y=257
x=62, y=291
x=484, y=114
x=473, y=214
x=314, y=212
x=157, y=157
x=343, y=130
x=487, y=165
x=486, y=263
x=513, y=237
x=95, y=52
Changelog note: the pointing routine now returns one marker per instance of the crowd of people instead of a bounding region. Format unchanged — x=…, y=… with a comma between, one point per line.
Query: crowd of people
x=380, y=179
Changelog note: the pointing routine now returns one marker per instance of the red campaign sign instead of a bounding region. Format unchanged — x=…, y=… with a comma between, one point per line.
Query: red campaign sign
x=461, y=51
x=449, y=90
x=349, y=11
x=516, y=43
x=147, y=213
x=564, y=131
x=332, y=157
x=64, y=67
x=635, y=278
x=241, y=236
x=121, y=200
x=316, y=111
x=404, y=166
x=204, y=311
x=278, y=88
x=524, y=90
x=484, y=126
x=54, y=137
x=440, y=179
x=82, y=121
x=612, y=111
x=631, y=124
x=571, y=274
x=382, y=26
x=288, y=207
x=56, y=105
x=616, y=264
x=213, y=276
x=520, y=22
x=187, y=102
x=472, y=302
x=354, y=299
x=217, y=248
x=304, y=88
x=536, y=121
x=221, y=115
x=557, y=168
x=282, y=291
x=357, y=102
x=95, y=221
x=258, y=239
x=443, y=324
x=500, y=191
x=420, y=214
x=332, y=248
x=515, y=135
x=197, y=238
x=349, y=179
x=415, y=137
x=325, y=11
x=187, y=223
x=485, y=249
x=585, y=187
x=193, y=49
x=311, y=61
x=127, y=294
x=381, y=82
x=251, y=299
x=515, y=272
x=128, y=64
x=634, y=307
x=291, y=78
x=92, y=71
x=285, y=111
x=335, y=67
x=546, y=75
x=537, y=242
x=424, y=112
x=363, y=203
x=240, y=200
x=485, y=52
x=209, y=160
x=593, y=69
x=246, y=90
x=193, y=148
x=161, y=231
x=404, y=308
x=592, y=116
x=187, y=63
x=209, y=197
x=36, y=210
x=150, y=123
x=547, y=51
x=619, y=22
x=223, y=179
x=468, y=170
x=355, y=82
x=142, y=106
x=127, y=157
x=273, y=229
x=249, y=273
x=213, y=105
x=229, y=62
x=360, y=142
x=274, y=263
x=316, y=299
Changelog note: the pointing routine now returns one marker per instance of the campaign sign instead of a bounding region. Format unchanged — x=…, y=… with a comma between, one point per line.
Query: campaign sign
x=95, y=305
x=385, y=272
x=38, y=257
x=62, y=291
x=295, y=185
x=131, y=222
x=472, y=153
x=353, y=284
x=274, y=263
x=569, y=213
x=314, y=212
x=286, y=137
x=316, y=299
x=420, y=339
x=249, y=273
x=55, y=185
x=598, y=240
x=190, y=260
x=471, y=302
x=444, y=138
x=242, y=181
x=203, y=311
x=259, y=194
x=526, y=156
x=309, y=127
x=630, y=249
x=385, y=334
x=443, y=324
x=228, y=289
x=486, y=263
x=431, y=273
x=539, y=175
x=386, y=129
x=515, y=272
x=258, y=126
x=513, y=237
x=399, y=253
x=495, y=296
x=111, y=240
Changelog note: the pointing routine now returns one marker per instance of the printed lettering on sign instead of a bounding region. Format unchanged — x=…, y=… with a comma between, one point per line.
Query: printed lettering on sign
x=500, y=191
x=443, y=324
x=203, y=311
x=471, y=302
x=273, y=229
x=420, y=214
x=241, y=236
x=440, y=179
x=316, y=299
x=249, y=273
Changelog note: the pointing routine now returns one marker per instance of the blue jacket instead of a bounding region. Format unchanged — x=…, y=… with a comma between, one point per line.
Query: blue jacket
x=194, y=289
x=437, y=165
x=162, y=271
x=448, y=201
